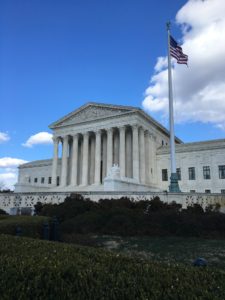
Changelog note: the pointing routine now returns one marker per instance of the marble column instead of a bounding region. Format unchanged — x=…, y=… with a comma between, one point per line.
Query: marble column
x=122, y=152
x=129, y=153
x=135, y=152
x=142, y=155
x=154, y=169
x=104, y=155
x=85, y=158
x=98, y=157
x=64, y=161
x=80, y=161
x=147, y=158
x=74, y=164
x=55, y=161
x=152, y=158
x=109, y=149
x=91, y=166
x=116, y=141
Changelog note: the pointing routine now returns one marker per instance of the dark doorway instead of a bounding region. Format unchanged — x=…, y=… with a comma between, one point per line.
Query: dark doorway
x=101, y=172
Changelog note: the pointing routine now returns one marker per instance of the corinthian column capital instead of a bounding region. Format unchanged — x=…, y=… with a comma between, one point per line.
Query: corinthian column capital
x=55, y=139
x=64, y=139
x=135, y=127
x=75, y=135
x=122, y=128
x=109, y=130
x=98, y=132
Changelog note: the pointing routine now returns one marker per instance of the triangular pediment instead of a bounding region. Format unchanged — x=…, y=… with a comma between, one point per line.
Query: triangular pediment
x=91, y=112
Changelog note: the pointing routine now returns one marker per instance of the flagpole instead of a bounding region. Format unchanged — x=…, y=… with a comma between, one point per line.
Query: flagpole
x=174, y=186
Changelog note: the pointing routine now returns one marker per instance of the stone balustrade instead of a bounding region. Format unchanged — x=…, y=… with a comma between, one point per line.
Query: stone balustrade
x=13, y=203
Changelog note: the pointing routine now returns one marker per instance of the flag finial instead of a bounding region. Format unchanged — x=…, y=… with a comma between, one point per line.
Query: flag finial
x=168, y=25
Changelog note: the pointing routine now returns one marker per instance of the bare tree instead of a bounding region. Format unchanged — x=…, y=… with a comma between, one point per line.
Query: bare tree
x=2, y=185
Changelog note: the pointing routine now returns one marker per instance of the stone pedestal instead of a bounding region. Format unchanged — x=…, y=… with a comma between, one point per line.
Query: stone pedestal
x=174, y=186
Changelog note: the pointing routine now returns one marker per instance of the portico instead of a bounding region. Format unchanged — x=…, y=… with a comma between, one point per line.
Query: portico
x=87, y=157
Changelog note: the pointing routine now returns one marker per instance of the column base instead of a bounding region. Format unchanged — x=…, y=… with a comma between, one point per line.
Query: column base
x=174, y=186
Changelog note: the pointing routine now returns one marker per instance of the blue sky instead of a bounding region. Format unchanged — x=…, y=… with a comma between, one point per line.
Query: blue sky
x=57, y=55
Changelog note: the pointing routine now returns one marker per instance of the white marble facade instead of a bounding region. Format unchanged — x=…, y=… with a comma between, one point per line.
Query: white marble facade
x=93, y=138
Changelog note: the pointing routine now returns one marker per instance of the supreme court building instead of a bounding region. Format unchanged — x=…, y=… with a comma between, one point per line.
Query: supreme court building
x=102, y=147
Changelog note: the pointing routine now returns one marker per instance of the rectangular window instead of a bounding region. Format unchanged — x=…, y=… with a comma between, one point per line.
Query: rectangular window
x=206, y=172
x=29, y=180
x=49, y=180
x=178, y=174
x=57, y=180
x=207, y=191
x=222, y=191
x=192, y=191
x=42, y=180
x=35, y=180
x=222, y=172
x=164, y=175
x=191, y=173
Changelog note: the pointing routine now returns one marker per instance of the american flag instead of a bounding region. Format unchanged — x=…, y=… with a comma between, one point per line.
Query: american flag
x=177, y=52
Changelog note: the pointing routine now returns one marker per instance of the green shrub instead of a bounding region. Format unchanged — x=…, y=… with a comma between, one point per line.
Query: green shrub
x=38, y=208
x=71, y=207
x=30, y=226
x=127, y=217
x=3, y=212
x=195, y=209
x=90, y=221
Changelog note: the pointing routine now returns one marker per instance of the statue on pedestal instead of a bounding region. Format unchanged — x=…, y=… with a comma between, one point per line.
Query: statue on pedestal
x=114, y=172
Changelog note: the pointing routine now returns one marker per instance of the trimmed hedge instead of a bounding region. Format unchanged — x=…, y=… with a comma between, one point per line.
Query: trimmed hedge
x=126, y=217
x=34, y=269
x=30, y=226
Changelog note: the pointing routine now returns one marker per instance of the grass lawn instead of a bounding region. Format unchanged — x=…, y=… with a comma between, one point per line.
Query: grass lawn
x=166, y=249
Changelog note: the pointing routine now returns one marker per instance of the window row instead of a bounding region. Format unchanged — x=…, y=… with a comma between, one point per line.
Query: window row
x=192, y=175
x=43, y=180
x=208, y=191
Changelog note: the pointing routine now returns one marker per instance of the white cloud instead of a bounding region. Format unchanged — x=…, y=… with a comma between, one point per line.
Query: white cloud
x=161, y=63
x=199, y=91
x=8, y=180
x=4, y=137
x=9, y=172
x=9, y=162
x=39, y=138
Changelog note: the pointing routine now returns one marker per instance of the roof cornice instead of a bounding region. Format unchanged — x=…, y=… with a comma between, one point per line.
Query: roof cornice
x=36, y=163
x=194, y=146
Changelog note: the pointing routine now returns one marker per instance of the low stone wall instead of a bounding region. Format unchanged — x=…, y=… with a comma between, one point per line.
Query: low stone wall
x=13, y=202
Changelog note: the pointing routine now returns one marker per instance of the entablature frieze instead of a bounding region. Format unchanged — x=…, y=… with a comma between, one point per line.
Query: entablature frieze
x=95, y=126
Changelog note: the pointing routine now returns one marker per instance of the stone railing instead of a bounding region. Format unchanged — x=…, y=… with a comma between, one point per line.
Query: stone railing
x=13, y=202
